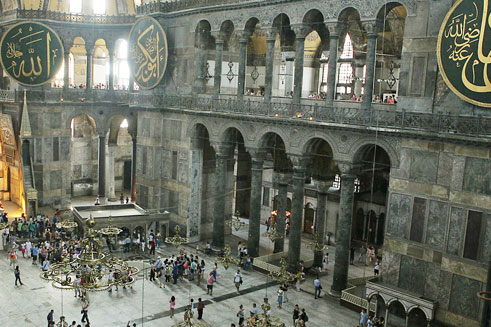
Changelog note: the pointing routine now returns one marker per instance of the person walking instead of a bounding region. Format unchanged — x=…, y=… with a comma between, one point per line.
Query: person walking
x=280, y=298
x=17, y=275
x=240, y=315
x=209, y=283
x=363, y=318
x=200, y=307
x=238, y=280
x=376, y=268
x=172, y=305
x=296, y=314
x=51, y=319
x=85, y=312
x=304, y=317
x=318, y=287
x=351, y=255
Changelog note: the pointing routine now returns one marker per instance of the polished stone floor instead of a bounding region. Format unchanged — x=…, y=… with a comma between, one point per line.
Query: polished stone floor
x=28, y=305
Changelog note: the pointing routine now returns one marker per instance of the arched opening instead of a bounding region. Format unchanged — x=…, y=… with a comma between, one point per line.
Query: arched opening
x=284, y=56
x=379, y=306
x=100, y=65
x=397, y=315
x=256, y=60
x=139, y=236
x=84, y=153
x=416, y=318
x=308, y=220
x=121, y=68
x=119, y=156
x=203, y=43
x=389, y=49
x=59, y=80
x=373, y=186
x=78, y=70
x=316, y=43
x=229, y=69
x=203, y=164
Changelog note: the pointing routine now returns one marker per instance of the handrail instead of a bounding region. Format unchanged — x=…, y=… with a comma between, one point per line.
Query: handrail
x=75, y=17
x=386, y=119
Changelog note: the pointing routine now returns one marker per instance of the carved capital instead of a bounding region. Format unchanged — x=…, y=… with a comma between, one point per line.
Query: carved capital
x=244, y=36
x=257, y=154
x=323, y=186
x=372, y=28
x=270, y=34
x=282, y=178
x=219, y=36
x=347, y=168
x=299, y=162
x=334, y=28
x=222, y=149
x=301, y=30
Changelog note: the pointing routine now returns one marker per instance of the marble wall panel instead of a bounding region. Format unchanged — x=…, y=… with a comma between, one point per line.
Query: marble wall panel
x=456, y=231
x=444, y=289
x=463, y=299
x=412, y=274
x=390, y=267
x=55, y=179
x=444, y=176
x=477, y=176
x=399, y=208
x=437, y=224
x=432, y=281
x=424, y=166
x=486, y=249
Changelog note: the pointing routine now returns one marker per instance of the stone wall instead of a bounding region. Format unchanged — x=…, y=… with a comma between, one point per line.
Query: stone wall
x=438, y=235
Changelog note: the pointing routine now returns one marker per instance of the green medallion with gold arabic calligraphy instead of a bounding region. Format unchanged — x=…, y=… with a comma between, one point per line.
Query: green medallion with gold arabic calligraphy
x=464, y=51
x=32, y=53
x=148, y=52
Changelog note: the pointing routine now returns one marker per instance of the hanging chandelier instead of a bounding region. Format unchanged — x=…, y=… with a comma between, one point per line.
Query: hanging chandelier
x=235, y=222
x=272, y=233
x=110, y=230
x=264, y=319
x=188, y=322
x=282, y=276
x=66, y=224
x=177, y=239
x=226, y=260
x=316, y=245
x=89, y=270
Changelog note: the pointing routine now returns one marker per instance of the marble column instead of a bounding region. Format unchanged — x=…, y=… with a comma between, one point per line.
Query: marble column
x=133, y=169
x=66, y=73
x=255, y=212
x=88, y=69
x=111, y=70
x=219, y=212
x=102, y=166
x=333, y=59
x=268, y=78
x=320, y=219
x=295, y=242
x=372, y=33
x=301, y=31
x=131, y=83
x=343, y=235
x=217, y=79
x=282, y=181
x=110, y=182
x=244, y=37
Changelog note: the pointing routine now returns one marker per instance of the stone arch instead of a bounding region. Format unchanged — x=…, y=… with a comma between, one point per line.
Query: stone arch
x=227, y=29
x=357, y=148
x=416, y=316
x=250, y=24
x=113, y=126
x=191, y=129
x=202, y=35
x=369, y=297
x=259, y=140
x=222, y=134
x=77, y=112
x=306, y=139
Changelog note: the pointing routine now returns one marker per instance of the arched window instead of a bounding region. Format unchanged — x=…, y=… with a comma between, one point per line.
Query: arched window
x=357, y=185
x=75, y=6
x=337, y=181
x=347, y=48
x=345, y=68
x=122, y=69
x=99, y=7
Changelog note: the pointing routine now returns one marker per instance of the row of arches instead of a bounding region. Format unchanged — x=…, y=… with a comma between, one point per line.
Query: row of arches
x=397, y=314
x=283, y=35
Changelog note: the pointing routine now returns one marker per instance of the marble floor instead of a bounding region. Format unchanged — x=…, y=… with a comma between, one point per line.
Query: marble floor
x=147, y=304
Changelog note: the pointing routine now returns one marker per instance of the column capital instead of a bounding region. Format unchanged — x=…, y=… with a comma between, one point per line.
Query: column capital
x=282, y=178
x=256, y=154
x=347, y=168
x=219, y=36
x=270, y=34
x=323, y=186
x=244, y=36
x=371, y=27
x=334, y=28
x=222, y=149
x=301, y=30
x=299, y=162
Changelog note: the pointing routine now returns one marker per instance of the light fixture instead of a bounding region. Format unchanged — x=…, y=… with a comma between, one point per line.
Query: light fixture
x=235, y=222
x=227, y=259
x=272, y=233
x=264, y=319
x=177, y=239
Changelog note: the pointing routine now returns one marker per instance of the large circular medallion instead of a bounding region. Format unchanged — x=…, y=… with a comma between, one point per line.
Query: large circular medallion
x=31, y=53
x=464, y=51
x=148, y=52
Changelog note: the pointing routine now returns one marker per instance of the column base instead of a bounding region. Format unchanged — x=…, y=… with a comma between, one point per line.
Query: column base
x=334, y=293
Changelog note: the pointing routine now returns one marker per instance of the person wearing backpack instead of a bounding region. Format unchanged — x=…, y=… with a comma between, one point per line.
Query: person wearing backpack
x=303, y=316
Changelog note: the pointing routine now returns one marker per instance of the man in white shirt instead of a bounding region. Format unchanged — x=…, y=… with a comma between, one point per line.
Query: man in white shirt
x=238, y=280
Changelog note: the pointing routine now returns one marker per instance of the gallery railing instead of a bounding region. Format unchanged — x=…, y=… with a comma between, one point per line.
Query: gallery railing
x=176, y=5
x=383, y=119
